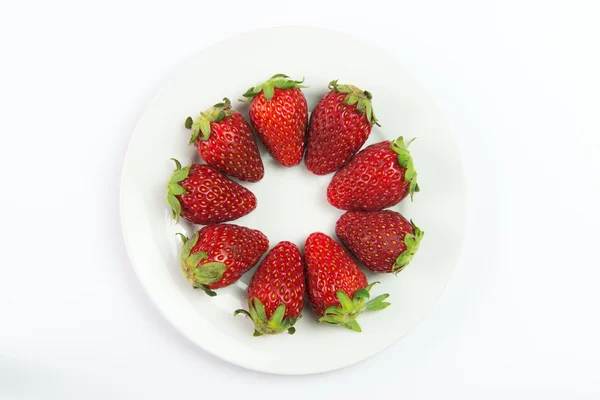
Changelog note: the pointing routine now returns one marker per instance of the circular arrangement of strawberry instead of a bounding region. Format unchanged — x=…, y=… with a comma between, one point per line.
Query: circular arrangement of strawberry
x=365, y=183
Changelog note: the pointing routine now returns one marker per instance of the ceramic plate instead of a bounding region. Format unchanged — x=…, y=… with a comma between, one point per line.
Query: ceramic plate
x=291, y=201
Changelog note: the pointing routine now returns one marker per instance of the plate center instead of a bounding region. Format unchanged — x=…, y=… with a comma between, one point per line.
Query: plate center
x=292, y=203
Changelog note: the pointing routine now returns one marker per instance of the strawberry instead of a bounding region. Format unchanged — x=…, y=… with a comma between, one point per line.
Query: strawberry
x=378, y=177
x=339, y=126
x=276, y=291
x=337, y=289
x=279, y=113
x=203, y=195
x=225, y=141
x=218, y=255
x=383, y=241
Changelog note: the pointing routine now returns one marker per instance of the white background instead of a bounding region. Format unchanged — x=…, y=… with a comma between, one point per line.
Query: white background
x=518, y=81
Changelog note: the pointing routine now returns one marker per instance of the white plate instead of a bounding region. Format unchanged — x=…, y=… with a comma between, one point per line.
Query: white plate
x=291, y=202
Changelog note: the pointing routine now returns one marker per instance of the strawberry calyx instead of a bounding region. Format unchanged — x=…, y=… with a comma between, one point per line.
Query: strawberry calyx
x=350, y=309
x=265, y=326
x=412, y=242
x=175, y=189
x=354, y=95
x=199, y=275
x=406, y=161
x=201, y=125
x=279, y=81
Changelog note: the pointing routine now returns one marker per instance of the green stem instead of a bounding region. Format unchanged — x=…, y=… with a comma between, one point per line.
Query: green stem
x=182, y=236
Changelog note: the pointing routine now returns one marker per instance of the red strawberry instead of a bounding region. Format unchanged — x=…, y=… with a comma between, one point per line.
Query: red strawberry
x=378, y=177
x=383, y=241
x=218, y=255
x=337, y=288
x=203, y=195
x=276, y=292
x=279, y=113
x=339, y=126
x=225, y=141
